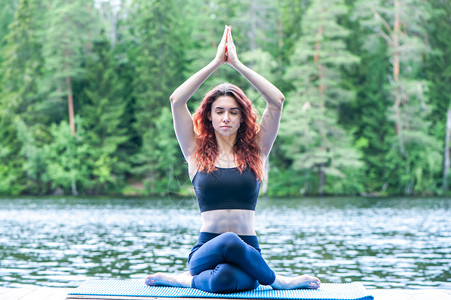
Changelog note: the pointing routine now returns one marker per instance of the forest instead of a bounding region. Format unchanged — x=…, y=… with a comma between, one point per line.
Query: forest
x=85, y=86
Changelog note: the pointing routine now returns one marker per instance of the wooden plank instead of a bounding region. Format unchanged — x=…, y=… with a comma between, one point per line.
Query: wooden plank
x=17, y=293
x=59, y=293
x=38, y=294
x=47, y=293
x=34, y=293
x=3, y=290
x=423, y=294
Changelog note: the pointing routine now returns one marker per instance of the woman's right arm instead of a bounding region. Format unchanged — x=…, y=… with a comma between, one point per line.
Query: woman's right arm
x=183, y=122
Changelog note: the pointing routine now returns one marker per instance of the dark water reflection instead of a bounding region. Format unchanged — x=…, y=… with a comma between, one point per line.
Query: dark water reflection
x=385, y=243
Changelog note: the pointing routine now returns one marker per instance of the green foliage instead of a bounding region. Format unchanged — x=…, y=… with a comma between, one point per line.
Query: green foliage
x=21, y=62
x=71, y=163
x=159, y=66
x=369, y=115
x=170, y=166
x=313, y=138
x=33, y=157
x=68, y=35
x=10, y=167
x=103, y=103
x=285, y=182
x=409, y=111
x=67, y=158
x=350, y=125
x=438, y=66
x=6, y=17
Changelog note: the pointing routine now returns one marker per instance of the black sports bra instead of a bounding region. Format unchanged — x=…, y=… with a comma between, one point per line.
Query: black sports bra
x=226, y=188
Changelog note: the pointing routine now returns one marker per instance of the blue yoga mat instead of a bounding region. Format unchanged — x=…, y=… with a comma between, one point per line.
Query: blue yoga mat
x=137, y=288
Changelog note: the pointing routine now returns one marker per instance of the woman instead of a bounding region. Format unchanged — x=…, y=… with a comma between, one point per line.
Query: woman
x=225, y=149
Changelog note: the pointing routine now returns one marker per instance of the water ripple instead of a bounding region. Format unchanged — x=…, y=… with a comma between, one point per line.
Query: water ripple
x=385, y=243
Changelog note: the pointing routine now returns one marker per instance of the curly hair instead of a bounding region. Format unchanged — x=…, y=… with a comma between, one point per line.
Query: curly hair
x=245, y=150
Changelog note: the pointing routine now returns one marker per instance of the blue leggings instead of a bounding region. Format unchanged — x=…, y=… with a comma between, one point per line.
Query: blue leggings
x=227, y=263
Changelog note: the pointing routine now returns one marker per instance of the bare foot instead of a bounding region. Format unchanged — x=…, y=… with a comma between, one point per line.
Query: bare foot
x=167, y=279
x=297, y=282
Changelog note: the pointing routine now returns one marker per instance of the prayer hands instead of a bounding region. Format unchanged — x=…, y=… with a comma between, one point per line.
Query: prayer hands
x=226, y=52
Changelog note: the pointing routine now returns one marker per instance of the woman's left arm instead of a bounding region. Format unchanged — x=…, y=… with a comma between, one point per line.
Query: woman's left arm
x=271, y=116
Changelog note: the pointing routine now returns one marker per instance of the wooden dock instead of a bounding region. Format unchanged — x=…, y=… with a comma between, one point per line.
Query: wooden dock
x=47, y=293
x=34, y=293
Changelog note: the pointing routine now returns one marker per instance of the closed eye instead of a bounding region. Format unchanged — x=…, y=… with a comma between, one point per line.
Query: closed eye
x=232, y=111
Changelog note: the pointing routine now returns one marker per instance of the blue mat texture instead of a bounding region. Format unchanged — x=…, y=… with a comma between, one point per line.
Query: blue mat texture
x=137, y=288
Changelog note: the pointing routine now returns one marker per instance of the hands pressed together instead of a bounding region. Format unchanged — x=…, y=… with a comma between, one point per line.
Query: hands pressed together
x=226, y=49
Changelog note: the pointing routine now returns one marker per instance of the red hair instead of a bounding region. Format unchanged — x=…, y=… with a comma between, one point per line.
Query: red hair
x=245, y=150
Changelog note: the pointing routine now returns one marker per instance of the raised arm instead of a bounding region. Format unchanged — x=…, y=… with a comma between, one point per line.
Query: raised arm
x=271, y=116
x=183, y=122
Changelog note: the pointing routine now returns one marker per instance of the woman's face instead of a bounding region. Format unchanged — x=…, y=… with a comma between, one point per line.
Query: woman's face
x=225, y=115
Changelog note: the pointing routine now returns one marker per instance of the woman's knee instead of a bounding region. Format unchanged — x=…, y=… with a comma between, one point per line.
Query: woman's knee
x=231, y=243
x=223, y=279
x=229, y=278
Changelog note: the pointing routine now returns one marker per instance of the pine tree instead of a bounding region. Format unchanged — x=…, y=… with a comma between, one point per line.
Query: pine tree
x=313, y=139
x=290, y=30
x=21, y=67
x=413, y=154
x=374, y=128
x=12, y=177
x=21, y=62
x=72, y=27
x=68, y=163
x=6, y=18
x=367, y=115
x=159, y=62
x=103, y=105
x=31, y=152
x=439, y=75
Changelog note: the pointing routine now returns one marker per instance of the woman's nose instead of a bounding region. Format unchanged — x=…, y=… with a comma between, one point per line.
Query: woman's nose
x=226, y=118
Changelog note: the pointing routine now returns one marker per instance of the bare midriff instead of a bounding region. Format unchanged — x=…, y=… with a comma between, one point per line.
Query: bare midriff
x=239, y=221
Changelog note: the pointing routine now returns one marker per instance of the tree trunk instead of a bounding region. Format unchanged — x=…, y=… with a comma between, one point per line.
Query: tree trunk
x=446, y=162
x=397, y=104
x=322, y=104
x=322, y=179
x=74, y=188
x=70, y=104
x=151, y=178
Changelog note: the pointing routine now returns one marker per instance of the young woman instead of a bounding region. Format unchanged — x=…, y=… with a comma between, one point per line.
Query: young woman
x=226, y=149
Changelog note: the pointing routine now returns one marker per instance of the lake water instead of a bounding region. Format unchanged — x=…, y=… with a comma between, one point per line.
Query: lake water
x=384, y=243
